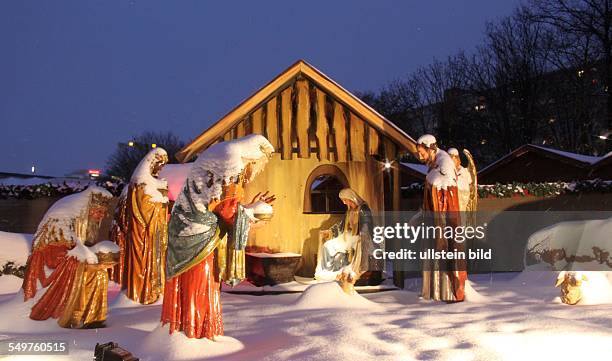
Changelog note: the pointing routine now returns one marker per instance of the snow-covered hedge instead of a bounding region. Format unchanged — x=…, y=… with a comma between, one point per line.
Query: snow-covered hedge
x=52, y=190
x=517, y=189
x=15, y=250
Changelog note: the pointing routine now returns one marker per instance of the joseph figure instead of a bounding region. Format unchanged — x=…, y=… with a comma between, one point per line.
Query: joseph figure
x=443, y=280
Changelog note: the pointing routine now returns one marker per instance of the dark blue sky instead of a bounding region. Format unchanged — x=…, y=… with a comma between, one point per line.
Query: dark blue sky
x=77, y=77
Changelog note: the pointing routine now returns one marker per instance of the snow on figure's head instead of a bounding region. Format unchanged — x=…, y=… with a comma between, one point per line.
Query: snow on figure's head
x=147, y=171
x=229, y=161
x=150, y=165
x=426, y=148
x=427, y=140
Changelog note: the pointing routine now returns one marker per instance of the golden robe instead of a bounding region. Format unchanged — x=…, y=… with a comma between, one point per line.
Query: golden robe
x=75, y=292
x=118, y=235
x=145, y=246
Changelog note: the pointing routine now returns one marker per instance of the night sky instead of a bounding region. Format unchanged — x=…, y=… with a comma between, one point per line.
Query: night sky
x=78, y=77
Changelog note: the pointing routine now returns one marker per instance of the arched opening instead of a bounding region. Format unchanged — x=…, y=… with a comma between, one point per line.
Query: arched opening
x=322, y=189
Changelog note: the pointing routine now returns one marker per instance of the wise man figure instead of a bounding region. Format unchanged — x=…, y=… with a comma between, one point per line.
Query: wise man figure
x=146, y=214
x=443, y=280
x=65, y=262
x=208, y=232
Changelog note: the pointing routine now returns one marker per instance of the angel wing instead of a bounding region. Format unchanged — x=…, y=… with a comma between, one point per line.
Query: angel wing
x=472, y=205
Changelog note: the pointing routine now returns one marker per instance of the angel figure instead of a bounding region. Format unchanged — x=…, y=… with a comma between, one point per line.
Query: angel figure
x=467, y=183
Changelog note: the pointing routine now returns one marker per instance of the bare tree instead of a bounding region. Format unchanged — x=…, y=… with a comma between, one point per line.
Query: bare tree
x=125, y=158
x=587, y=22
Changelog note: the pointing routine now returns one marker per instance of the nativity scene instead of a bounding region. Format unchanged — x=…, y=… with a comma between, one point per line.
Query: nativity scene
x=326, y=140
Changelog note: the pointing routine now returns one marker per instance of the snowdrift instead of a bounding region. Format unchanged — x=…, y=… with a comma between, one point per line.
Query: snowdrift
x=14, y=247
x=574, y=245
x=330, y=295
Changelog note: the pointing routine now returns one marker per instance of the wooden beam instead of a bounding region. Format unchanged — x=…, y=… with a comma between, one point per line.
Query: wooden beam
x=359, y=107
x=241, y=129
x=303, y=117
x=272, y=123
x=357, y=138
x=322, y=131
x=228, y=136
x=286, y=120
x=390, y=149
x=373, y=141
x=396, y=188
x=340, y=132
x=257, y=121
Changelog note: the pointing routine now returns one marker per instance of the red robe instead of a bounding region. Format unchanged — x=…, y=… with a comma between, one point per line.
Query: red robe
x=443, y=279
x=192, y=300
x=444, y=205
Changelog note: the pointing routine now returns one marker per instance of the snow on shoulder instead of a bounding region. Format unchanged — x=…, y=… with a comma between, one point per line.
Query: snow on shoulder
x=330, y=295
x=443, y=174
x=225, y=161
x=66, y=209
x=74, y=204
x=142, y=176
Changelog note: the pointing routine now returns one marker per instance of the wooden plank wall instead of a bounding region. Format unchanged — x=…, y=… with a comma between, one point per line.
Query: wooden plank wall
x=302, y=119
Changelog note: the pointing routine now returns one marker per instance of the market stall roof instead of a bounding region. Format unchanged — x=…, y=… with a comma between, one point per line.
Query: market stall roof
x=572, y=165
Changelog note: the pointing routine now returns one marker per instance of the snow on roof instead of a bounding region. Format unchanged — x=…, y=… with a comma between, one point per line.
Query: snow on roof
x=587, y=159
x=421, y=168
x=579, y=157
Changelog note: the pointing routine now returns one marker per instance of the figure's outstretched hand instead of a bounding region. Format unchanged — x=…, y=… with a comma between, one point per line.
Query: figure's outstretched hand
x=264, y=197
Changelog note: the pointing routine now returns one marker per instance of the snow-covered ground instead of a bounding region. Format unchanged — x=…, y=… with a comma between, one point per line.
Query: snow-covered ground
x=506, y=317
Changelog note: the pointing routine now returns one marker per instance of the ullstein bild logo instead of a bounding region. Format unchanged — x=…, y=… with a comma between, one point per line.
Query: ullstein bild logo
x=405, y=231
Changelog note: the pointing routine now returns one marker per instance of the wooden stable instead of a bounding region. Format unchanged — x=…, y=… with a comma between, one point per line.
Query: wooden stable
x=318, y=129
